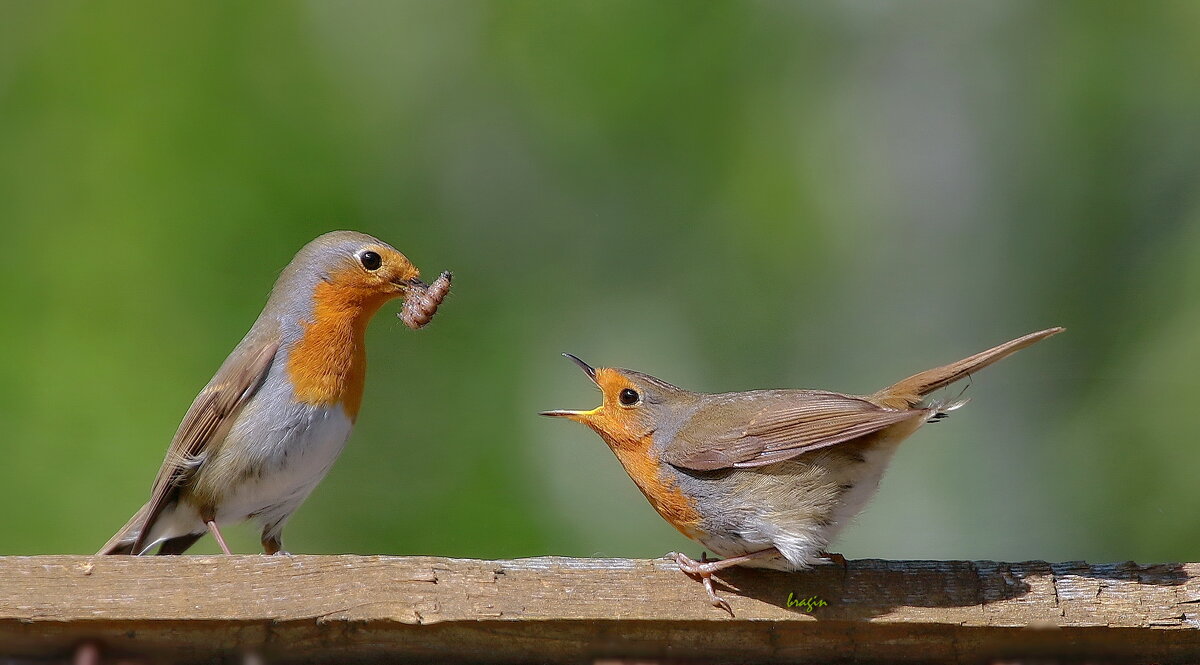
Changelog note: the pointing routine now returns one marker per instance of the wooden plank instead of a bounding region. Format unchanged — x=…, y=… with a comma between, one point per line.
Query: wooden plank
x=551, y=609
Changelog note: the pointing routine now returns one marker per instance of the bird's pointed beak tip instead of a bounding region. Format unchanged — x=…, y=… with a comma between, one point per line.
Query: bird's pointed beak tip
x=587, y=369
x=577, y=416
x=558, y=413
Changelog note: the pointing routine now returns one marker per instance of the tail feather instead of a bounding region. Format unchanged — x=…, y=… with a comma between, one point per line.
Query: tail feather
x=909, y=392
x=941, y=409
x=125, y=538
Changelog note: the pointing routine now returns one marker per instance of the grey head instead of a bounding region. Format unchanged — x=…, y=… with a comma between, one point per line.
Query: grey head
x=635, y=405
x=351, y=266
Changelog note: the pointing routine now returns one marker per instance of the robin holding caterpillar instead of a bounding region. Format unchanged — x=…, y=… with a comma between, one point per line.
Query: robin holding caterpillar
x=272, y=421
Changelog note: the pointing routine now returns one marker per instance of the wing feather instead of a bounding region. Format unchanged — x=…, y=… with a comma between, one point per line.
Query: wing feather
x=791, y=423
x=207, y=421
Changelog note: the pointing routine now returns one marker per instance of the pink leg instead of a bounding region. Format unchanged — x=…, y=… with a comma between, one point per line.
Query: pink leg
x=705, y=568
x=212, y=527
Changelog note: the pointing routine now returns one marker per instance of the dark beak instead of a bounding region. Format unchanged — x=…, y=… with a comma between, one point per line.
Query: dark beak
x=414, y=283
x=587, y=369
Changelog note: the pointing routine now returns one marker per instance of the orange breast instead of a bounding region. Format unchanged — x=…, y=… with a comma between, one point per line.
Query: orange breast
x=662, y=492
x=328, y=365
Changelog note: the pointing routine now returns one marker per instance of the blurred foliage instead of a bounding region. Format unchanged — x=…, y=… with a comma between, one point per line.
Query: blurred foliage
x=728, y=195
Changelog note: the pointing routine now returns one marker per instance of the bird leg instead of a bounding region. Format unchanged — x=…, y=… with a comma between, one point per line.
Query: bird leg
x=705, y=568
x=212, y=528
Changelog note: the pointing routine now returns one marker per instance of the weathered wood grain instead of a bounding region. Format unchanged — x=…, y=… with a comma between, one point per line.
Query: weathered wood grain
x=388, y=609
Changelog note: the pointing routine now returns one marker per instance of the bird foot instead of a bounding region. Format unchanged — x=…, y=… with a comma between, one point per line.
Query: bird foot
x=704, y=570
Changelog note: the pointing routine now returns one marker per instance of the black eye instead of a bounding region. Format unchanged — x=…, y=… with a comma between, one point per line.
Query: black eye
x=629, y=397
x=370, y=260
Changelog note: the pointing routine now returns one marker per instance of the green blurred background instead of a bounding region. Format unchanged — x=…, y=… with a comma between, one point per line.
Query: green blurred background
x=729, y=195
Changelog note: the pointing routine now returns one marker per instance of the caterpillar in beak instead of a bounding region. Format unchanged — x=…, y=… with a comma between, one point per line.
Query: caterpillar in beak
x=422, y=303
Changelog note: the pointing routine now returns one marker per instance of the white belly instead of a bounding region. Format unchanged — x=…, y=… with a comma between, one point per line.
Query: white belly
x=291, y=453
x=866, y=478
x=294, y=458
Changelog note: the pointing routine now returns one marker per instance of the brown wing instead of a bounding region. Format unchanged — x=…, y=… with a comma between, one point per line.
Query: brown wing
x=208, y=420
x=791, y=423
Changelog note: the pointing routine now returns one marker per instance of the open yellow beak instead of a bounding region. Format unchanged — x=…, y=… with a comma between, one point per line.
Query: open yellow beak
x=577, y=416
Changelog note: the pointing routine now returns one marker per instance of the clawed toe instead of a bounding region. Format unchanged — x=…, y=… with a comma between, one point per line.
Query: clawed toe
x=717, y=601
x=704, y=571
x=689, y=565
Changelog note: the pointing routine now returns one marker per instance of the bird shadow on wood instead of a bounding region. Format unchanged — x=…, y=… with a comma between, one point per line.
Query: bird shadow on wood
x=870, y=588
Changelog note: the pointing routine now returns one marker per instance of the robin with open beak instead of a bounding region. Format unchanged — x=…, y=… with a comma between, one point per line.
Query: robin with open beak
x=268, y=427
x=764, y=478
